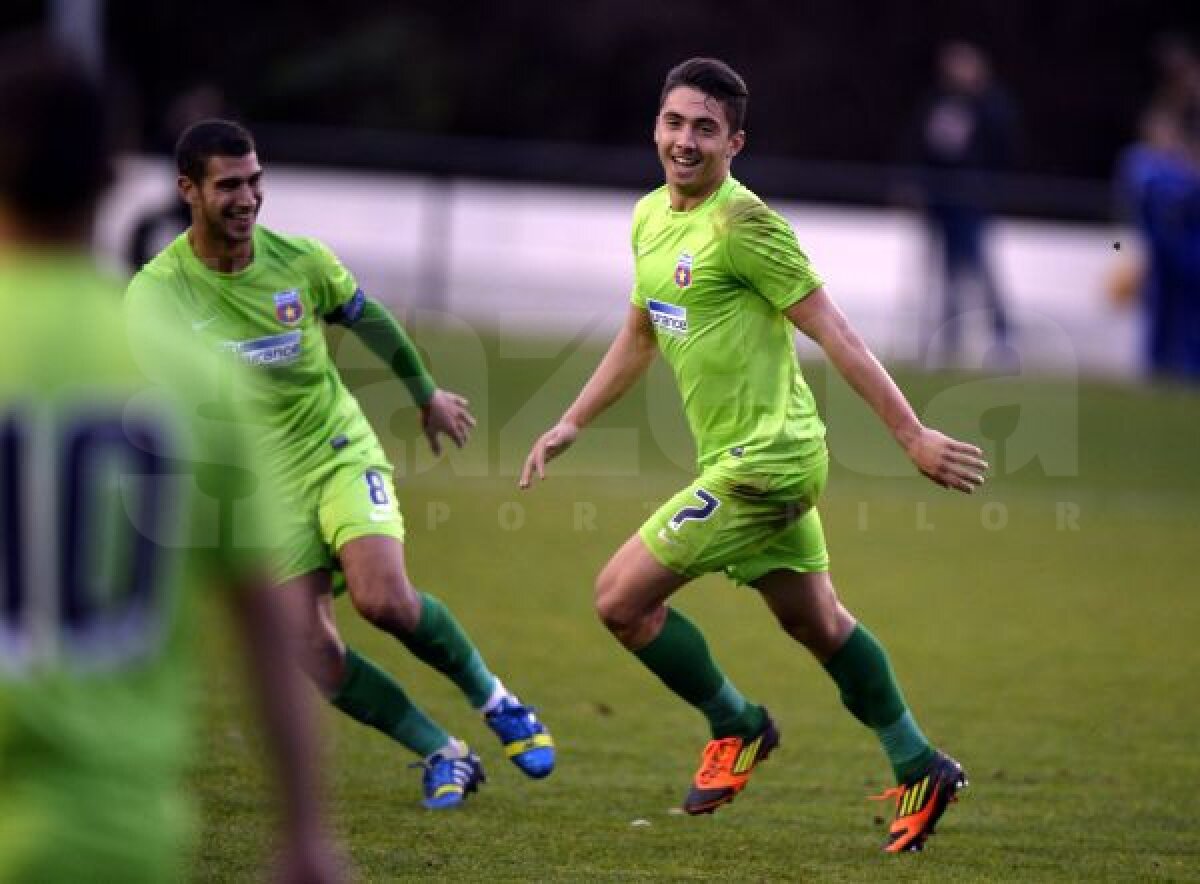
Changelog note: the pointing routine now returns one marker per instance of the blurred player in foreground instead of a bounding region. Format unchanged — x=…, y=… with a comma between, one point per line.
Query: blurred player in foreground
x=109, y=533
x=265, y=296
x=720, y=284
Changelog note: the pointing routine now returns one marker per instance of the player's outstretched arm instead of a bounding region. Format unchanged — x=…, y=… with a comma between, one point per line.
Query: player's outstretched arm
x=269, y=623
x=442, y=412
x=946, y=461
x=627, y=359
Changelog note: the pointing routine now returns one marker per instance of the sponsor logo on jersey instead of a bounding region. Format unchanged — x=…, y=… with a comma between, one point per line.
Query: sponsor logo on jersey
x=274, y=350
x=671, y=318
x=683, y=270
x=289, y=309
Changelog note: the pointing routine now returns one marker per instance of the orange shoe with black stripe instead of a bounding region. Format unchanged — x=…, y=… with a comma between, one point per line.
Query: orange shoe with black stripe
x=726, y=766
x=921, y=801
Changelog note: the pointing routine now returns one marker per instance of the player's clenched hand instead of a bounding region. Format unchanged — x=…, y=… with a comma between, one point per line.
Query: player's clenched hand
x=946, y=461
x=552, y=443
x=446, y=413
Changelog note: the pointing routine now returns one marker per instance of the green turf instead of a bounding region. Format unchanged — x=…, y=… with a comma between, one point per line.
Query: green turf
x=1044, y=630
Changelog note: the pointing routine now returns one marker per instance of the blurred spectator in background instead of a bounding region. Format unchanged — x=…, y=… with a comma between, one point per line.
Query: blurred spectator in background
x=1177, y=95
x=964, y=130
x=1159, y=186
x=159, y=225
x=107, y=541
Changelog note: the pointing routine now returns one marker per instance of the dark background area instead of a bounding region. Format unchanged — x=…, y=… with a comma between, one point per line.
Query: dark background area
x=833, y=85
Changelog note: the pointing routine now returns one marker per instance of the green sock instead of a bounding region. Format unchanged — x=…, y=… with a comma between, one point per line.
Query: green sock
x=371, y=696
x=861, y=670
x=439, y=641
x=679, y=656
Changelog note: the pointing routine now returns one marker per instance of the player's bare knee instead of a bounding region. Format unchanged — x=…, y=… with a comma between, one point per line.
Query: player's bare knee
x=605, y=590
x=799, y=627
x=824, y=631
x=609, y=609
x=379, y=608
x=386, y=600
x=819, y=627
x=619, y=614
x=629, y=620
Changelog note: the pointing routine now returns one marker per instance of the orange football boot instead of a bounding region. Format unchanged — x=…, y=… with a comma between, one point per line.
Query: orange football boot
x=726, y=766
x=921, y=801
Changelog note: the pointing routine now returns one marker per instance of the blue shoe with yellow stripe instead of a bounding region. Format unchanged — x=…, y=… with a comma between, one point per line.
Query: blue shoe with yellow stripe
x=450, y=777
x=526, y=740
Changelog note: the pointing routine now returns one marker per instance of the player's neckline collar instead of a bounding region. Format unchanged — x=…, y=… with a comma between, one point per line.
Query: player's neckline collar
x=708, y=203
x=196, y=261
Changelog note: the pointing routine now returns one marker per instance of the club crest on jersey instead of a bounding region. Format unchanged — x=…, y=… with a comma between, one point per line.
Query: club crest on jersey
x=289, y=309
x=670, y=318
x=683, y=270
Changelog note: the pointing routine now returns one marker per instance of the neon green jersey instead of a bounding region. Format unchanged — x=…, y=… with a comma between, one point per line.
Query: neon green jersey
x=715, y=280
x=113, y=483
x=268, y=315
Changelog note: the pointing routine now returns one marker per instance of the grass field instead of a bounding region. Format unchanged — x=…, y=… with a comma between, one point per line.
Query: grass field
x=1044, y=630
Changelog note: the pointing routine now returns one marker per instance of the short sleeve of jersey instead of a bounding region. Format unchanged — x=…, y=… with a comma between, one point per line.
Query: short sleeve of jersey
x=763, y=253
x=636, y=298
x=332, y=283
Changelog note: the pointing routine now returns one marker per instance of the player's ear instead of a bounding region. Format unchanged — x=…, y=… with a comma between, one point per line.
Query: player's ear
x=187, y=188
x=736, y=142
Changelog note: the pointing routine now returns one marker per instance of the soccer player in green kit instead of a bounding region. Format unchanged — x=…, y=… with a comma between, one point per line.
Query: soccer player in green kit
x=110, y=528
x=720, y=286
x=262, y=296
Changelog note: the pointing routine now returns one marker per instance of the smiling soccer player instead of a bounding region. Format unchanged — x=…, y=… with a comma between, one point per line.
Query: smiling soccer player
x=720, y=287
x=262, y=296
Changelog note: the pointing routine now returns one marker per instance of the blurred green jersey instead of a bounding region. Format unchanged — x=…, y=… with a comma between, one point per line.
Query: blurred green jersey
x=715, y=281
x=118, y=497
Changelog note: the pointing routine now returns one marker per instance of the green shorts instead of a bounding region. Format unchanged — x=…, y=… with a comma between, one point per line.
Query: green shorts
x=355, y=501
x=743, y=522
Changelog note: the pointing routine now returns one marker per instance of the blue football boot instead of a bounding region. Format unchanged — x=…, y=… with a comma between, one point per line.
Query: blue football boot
x=526, y=740
x=450, y=778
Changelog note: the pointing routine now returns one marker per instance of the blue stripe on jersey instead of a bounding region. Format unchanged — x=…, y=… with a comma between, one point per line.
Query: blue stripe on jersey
x=267, y=343
x=281, y=349
x=664, y=307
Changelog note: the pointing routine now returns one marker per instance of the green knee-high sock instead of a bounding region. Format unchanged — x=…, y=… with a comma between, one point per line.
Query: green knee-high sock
x=679, y=656
x=869, y=690
x=439, y=641
x=371, y=696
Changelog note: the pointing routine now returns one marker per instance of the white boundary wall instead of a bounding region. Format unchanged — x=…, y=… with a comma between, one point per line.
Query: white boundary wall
x=547, y=259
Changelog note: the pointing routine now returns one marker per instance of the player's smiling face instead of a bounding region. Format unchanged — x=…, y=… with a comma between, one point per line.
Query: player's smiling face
x=227, y=201
x=695, y=145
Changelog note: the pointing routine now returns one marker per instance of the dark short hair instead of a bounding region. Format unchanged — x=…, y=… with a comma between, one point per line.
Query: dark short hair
x=715, y=78
x=55, y=146
x=210, y=138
